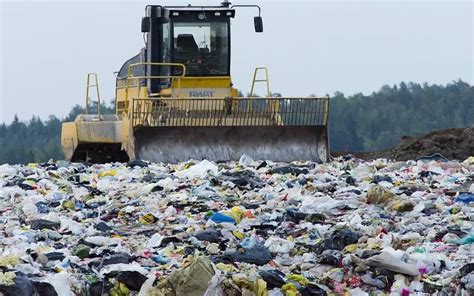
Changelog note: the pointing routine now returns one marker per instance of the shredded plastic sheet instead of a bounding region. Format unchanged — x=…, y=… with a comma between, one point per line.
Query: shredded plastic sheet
x=250, y=227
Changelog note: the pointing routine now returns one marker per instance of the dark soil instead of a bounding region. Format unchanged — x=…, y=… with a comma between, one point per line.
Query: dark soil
x=453, y=144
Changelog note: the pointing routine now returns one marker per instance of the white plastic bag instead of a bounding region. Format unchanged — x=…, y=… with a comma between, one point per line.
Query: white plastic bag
x=199, y=170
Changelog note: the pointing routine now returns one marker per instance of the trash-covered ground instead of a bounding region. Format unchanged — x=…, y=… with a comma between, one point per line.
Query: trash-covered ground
x=238, y=228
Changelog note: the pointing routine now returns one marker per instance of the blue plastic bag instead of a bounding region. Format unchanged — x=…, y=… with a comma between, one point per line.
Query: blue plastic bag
x=221, y=218
x=466, y=198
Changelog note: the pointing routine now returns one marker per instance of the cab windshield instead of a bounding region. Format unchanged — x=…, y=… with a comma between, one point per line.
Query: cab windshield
x=203, y=47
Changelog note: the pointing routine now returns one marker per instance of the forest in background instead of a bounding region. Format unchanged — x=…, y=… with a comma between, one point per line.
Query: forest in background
x=356, y=123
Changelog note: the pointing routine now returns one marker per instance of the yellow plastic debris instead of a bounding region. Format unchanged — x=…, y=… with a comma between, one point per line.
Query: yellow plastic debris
x=120, y=289
x=258, y=287
x=378, y=195
x=30, y=182
x=109, y=173
x=7, y=278
x=289, y=289
x=9, y=260
x=225, y=267
x=68, y=205
x=261, y=286
x=188, y=165
x=455, y=210
x=469, y=160
x=43, y=249
x=238, y=234
x=350, y=248
x=147, y=219
x=236, y=213
x=298, y=278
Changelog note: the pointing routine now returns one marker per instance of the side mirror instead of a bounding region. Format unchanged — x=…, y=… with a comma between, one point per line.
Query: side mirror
x=258, y=22
x=145, y=24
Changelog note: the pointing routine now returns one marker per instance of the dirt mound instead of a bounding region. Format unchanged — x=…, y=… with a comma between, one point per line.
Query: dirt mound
x=455, y=143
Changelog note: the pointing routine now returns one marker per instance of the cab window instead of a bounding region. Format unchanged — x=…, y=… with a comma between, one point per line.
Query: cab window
x=202, y=46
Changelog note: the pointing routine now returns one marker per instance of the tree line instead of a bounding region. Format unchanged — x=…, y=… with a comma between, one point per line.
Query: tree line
x=38, y=140
x=378, y=121
x=356, y=123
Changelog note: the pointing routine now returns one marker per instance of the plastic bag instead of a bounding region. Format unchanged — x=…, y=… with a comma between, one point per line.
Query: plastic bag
x=199, y=170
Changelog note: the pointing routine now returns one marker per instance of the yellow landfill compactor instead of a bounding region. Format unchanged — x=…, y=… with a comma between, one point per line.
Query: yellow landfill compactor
x=175, y=101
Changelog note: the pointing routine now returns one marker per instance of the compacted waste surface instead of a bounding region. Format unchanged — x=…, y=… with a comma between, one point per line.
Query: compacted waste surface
x=238, y=228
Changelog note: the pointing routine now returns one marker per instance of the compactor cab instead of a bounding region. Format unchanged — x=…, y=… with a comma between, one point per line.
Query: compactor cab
x=175, y=101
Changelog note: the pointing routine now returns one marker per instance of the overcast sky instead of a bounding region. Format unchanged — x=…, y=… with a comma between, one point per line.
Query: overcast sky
x=311, y=47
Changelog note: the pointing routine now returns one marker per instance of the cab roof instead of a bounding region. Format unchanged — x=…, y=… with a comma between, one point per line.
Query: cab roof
x=167, y=11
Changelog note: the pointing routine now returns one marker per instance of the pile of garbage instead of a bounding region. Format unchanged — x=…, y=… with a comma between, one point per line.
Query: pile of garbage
x=238, y=228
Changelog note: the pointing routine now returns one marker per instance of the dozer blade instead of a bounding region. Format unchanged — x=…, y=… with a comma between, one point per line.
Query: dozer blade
x=222, y=129
x=277, y=143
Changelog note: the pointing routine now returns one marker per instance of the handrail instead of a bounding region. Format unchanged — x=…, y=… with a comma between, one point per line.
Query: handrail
x=235, y=98
x=89, y=86
x=226, y=111
x=131, y=76
x=266, y=80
